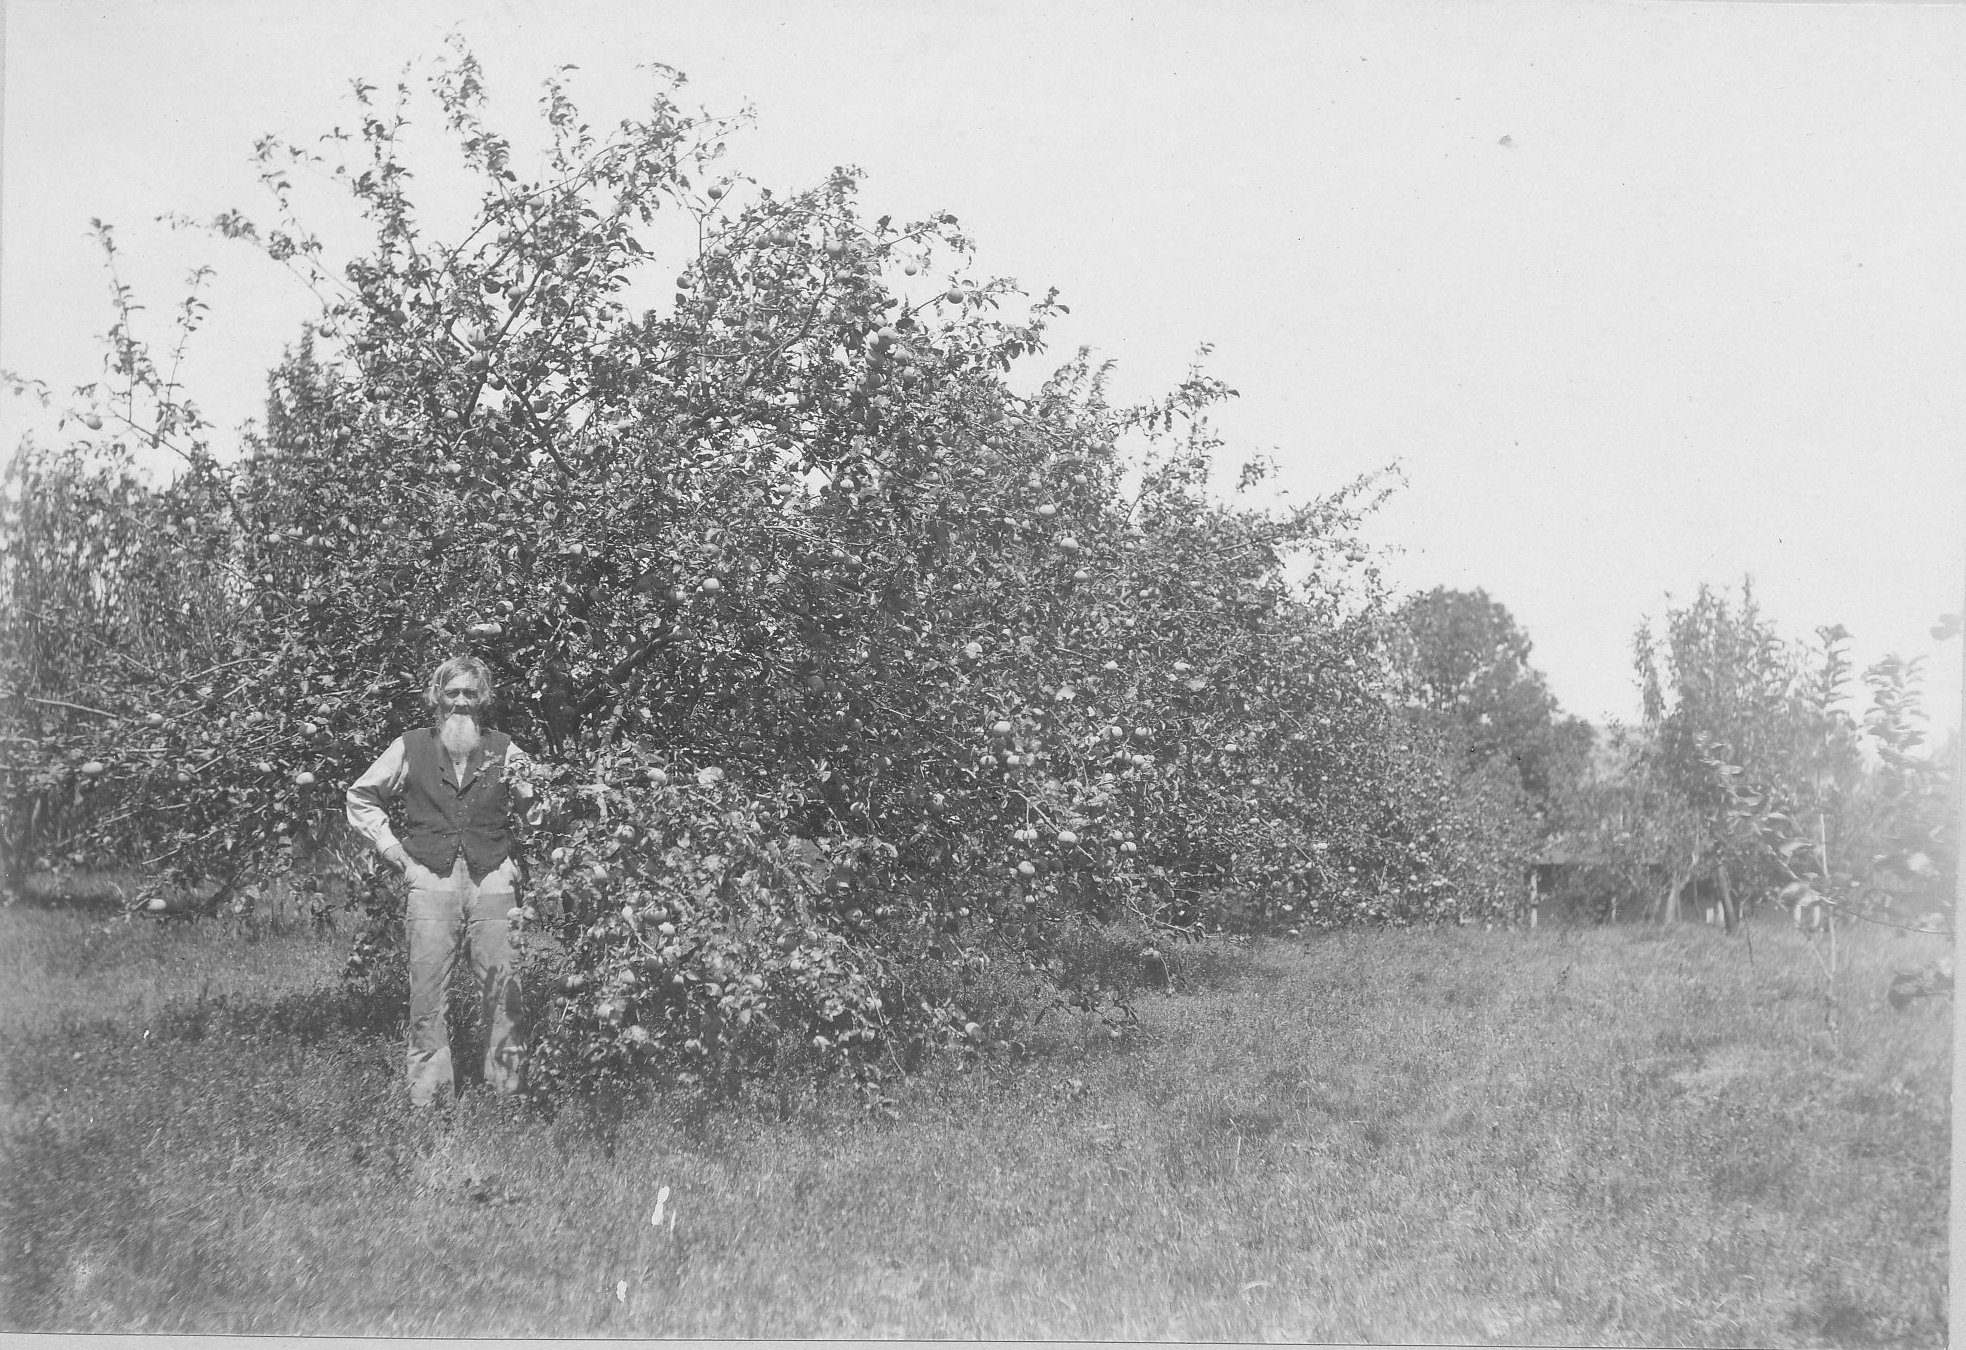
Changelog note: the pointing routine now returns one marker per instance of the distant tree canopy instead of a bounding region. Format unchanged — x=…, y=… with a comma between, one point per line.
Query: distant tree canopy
x=1460, y=656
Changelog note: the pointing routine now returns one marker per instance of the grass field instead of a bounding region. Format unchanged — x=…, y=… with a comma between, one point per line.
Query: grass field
x=1574, y=1136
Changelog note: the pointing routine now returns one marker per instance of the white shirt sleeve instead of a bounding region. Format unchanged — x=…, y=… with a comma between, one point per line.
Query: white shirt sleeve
x=369, y=796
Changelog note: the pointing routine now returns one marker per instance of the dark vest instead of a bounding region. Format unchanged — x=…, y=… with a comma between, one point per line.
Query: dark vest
x=441, y=817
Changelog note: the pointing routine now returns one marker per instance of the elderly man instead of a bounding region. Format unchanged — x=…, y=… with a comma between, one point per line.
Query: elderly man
x=459, y=786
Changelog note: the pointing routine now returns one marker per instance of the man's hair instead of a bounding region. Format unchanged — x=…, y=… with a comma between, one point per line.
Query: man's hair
x=451, y=669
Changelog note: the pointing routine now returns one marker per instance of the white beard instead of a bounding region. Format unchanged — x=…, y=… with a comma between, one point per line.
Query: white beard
x=459, y=733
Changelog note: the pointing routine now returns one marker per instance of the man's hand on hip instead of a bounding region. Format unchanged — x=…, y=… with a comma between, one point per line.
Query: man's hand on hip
x=398, y=857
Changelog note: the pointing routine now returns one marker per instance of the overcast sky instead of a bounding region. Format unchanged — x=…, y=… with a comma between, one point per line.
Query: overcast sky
x=1638, y=295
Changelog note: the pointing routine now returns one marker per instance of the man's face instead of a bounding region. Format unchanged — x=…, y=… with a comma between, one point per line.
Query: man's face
x=462, y=695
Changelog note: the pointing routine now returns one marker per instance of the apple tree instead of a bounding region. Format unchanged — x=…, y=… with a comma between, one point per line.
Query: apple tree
x=856, y=676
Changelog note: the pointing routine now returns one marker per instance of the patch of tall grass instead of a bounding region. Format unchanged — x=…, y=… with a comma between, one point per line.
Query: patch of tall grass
x=1584, y=1136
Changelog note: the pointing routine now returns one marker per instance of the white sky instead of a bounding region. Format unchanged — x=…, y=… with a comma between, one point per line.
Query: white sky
x=1700, y=316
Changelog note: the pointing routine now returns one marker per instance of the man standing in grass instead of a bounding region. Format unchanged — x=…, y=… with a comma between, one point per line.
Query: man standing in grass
x=459, y=786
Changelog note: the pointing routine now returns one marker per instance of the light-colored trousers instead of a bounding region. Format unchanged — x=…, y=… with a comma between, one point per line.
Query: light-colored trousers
x=441, y=910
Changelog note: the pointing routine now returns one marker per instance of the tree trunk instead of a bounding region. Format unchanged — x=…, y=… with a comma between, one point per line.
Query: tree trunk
x=1680, y=881
x=1669, y=908
x=1730, y=912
